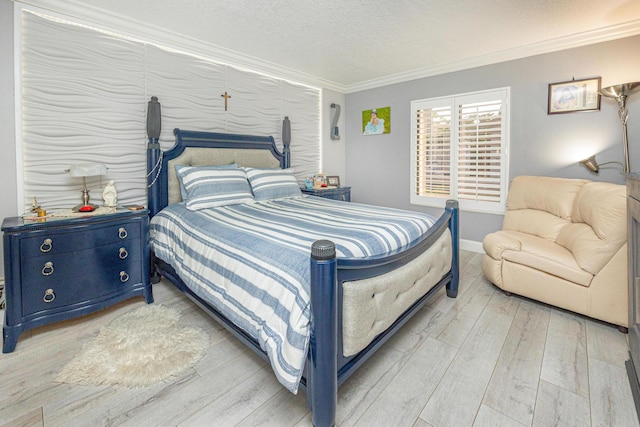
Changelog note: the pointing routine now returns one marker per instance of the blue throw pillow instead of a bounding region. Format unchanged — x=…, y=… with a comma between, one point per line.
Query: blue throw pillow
x=183, y=192
x=273, y=183
x=208, y=188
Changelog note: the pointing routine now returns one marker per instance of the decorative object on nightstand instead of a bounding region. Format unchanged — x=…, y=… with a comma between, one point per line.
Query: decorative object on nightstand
x=110, y=195
x=308, y=183
x=61, y=268
x=341, y=193
x=319, y=180
x=333, y=181
x=84, y=170
x=37, y=209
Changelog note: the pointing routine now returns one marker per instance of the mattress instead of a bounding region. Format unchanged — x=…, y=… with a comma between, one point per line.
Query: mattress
x=251, y=261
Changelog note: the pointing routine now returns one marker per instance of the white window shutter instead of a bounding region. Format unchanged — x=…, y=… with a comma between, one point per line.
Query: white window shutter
x=459, y=150
x=480, y=151
x=433, y=152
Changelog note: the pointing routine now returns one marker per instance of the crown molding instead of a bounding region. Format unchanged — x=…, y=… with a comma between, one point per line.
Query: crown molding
x=77, y=13
x=614, y=32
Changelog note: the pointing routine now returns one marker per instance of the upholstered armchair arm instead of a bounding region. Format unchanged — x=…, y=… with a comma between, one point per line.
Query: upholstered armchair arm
x=495, y=244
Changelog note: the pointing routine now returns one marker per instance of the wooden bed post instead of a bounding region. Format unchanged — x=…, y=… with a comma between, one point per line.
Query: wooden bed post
x=452, y=286
x=322, y=385
x=154, y=161
x=286, y=142
x=154, y=155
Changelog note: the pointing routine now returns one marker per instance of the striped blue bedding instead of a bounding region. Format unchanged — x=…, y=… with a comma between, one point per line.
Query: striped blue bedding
x=251, y=261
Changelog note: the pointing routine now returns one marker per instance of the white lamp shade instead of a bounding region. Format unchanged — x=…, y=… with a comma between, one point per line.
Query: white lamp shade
x=87, y=169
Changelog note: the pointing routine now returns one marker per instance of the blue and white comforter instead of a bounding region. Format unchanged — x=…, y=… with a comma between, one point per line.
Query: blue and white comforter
x=251, y=261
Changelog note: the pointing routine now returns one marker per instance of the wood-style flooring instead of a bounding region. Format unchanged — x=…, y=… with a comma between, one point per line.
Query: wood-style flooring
x=483, y=359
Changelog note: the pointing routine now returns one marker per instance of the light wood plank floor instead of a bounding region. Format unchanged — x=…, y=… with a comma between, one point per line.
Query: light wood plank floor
x=483, y=359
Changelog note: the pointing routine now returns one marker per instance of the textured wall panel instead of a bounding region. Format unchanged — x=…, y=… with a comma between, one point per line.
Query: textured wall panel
x=302, y=105
x=188, y=89
x=85, y=94
x=255, y=106
x=82, y=94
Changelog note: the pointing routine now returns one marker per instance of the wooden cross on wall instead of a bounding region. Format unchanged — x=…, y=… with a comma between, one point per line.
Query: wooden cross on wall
x=226, y=97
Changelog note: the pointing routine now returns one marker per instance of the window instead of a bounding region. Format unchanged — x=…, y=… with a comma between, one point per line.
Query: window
x=459, y=150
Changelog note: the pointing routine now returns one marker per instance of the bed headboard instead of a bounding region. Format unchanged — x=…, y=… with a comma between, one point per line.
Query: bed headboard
x=195, y=148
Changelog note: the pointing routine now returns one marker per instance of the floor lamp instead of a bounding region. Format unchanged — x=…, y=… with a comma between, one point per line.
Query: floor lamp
x=620, y=93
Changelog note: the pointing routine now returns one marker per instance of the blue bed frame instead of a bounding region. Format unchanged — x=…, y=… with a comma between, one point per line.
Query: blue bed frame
x=326, y=368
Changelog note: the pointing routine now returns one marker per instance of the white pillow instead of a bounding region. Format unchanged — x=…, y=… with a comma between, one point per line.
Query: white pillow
x=273, y=183
x=208, y=188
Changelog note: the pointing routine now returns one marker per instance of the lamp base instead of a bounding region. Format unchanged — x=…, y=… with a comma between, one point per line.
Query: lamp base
x=85, y=208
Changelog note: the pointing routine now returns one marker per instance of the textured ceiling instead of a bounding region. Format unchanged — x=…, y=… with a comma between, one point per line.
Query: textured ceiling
x=349, y=42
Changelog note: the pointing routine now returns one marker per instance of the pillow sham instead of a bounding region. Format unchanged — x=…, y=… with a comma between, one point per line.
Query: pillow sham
x=272, y=183
x=210, y=188
x=178, y=168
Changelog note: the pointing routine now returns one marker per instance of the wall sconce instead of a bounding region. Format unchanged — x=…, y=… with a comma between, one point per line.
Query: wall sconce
x=591, y=164
x=620, y=94
x=84, y=170
x=335, y=115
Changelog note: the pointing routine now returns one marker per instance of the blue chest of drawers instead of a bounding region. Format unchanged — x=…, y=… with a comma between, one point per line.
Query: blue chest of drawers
x=64, y=268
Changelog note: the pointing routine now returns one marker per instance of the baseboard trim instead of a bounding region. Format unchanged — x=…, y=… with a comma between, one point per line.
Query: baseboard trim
x=471, y=245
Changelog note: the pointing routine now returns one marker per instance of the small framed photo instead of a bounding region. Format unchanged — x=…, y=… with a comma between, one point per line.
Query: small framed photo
x=574, y=95
x=333, y=181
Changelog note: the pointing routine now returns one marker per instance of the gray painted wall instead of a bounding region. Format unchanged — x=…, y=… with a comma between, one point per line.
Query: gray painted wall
x=378, y=166
x=8, y=188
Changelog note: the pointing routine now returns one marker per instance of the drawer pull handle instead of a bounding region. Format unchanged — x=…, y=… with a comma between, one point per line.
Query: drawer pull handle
x=122, y=253
x=47, y=270
x=124, y=277
x=49, y=296
x=122, y=233
x=46, y=246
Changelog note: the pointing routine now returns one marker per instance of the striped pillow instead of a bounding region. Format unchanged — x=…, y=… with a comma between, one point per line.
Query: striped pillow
x=273, y=183
x=208, y=188
x=183, y=192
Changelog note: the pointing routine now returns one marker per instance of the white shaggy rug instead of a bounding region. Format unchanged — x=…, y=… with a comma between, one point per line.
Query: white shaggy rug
x=138, y=349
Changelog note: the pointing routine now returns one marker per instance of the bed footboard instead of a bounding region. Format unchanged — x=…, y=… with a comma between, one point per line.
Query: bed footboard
x=324, y=374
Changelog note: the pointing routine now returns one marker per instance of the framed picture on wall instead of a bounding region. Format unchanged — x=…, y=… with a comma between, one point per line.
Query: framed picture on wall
x=574, y=95
x=376, y=121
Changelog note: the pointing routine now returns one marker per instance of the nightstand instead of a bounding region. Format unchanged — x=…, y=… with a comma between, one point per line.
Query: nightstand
x=340, y=193
x=63, y=268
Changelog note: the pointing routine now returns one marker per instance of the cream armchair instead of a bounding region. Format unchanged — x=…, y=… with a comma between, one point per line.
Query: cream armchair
x=563, y=242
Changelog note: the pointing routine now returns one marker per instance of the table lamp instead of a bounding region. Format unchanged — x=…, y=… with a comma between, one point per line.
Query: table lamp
x=84, y=170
